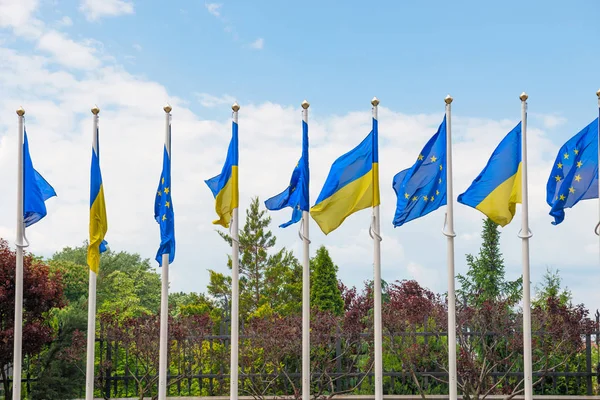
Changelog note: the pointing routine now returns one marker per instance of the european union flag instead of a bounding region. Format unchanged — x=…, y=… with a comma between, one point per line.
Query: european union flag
x=36, y=190
x=421, y=189
x=574, y=175
x=296, y=194
x=163, y=211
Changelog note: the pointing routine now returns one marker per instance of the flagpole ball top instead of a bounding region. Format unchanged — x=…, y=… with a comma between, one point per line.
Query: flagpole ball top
x=235, y=107
x=305, y=104
x=95, y=110
x=167, y=108
x=523, y=96
x=448, y=99
x=598, y=93
x=20, y=112
x=375, y=102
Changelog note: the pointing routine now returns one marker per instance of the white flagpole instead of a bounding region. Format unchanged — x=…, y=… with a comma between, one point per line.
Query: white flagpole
x=598, y=94
x=164, y=293
x=525, y=234
x=450, y=234
x=235, y=290
x=378, y=340
x=305, y=291
x=91, y=327
x=18, y=330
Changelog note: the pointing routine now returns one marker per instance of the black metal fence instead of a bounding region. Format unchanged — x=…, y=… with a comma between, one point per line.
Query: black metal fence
x=203, y=370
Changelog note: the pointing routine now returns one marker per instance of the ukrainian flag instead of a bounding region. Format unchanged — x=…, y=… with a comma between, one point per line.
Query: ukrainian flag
x=497, y=189
x=225, y=185
x=98, y=221
x=352, y=184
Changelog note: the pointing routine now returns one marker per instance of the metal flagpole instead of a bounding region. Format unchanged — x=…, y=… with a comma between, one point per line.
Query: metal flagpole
x=18, y=330
x=450, y=234
x=376, y=235
x=164, y=293
x=235, y=290
x=91, y=327
x=598, y=94
x=525, y=234
x=305, y=291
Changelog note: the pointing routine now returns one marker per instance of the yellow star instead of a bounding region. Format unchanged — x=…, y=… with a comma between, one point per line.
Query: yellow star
x=562, y=197
x=167, y=204
x=406, y=196
x=425, y=198
x=440, y=181
x=559, y=165
x=166, y=190
x=576, y=151
x=431, y=199
x=566, y=156
x=162, y=181
x=164, y=218
x=557, y=177
x=571, y=189
x=441, y=167
x=579, y=164
x=159, y=193
x=420, y=157
x=433, y=158
x=415, y=198
x=437, y=192
x=577, y=178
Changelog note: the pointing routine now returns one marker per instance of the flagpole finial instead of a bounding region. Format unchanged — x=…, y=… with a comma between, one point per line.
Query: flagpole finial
x=448, y=99
x=235, y=107
x=95, y=110
x=375, y=102
x=167, y=108
x=598, y=93
x=305, y=104
x=20, y=112
x=523, y=96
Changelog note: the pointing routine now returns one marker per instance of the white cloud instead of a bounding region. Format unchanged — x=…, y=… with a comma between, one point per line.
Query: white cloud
x=65, y=21
x=208, y=100
x=550, y=121
x=258, y=44
x=67, y=52
x=19, y=15
x=57, y=100
x=96, y=9
x=137, y=47
x=214, y=8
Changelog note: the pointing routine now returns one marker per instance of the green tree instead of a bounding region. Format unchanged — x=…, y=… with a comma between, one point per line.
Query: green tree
x=324, y=291
x=550, y=288
x=485, y=277
x=268, y=279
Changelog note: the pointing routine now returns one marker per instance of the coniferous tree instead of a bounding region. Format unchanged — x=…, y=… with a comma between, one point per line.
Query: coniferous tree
x=324, y=290
x=485, y=278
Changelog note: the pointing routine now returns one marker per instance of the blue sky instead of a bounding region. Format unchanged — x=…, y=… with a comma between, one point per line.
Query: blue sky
x=131, y=56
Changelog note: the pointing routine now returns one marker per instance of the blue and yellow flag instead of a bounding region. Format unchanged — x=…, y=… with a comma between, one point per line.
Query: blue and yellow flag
x=36, y=190
x=421, y=189
x=352, y=184
x=497, y=189
x=225, y=185
x=296, y=194
x=98, y=221
x=163, y=209
x=574, y=175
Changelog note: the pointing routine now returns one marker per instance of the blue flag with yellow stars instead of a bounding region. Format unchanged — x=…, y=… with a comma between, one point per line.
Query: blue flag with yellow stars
x=163, y=211
x=296, y=194
x=36, y=190
x=574, y=174
x=421, y=189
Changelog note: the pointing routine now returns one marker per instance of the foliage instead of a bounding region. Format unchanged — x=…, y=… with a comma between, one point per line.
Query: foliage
x=267, y=281
x=485, y=278
x=324, y=291
x=550, y=287
x=42, y=291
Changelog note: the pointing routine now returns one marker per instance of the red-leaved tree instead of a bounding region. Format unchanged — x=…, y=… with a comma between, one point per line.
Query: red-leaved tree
x=41, y=292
